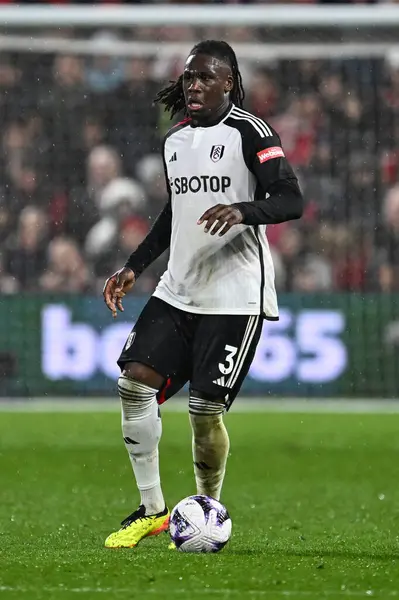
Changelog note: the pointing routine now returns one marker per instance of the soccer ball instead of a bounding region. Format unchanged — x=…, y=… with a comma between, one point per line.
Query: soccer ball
x=200, y=524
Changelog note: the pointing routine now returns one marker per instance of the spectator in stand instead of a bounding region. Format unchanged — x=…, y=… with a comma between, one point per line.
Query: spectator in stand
x=297, y=126
x=92, y=133
x=10, y=90
x=103, y=165
x=341, y=245
x=359, y=206
x=313, y=274
x=104, y=72
x=5, y=221
x=134, y=131
x=8, y=283
x=25, y=187
x=69, y=87
x=131, y=233
x=26, y=250
x=388, y=243
x=388, y=119
x=331, y=91
x=64, y=104
x=24, y=140
x=264, y=95
x=15, y=147
x=66, y=270
x=38, y=138
x=151, y=175
x=290, y=247
x=121, y=199
x=351, y=268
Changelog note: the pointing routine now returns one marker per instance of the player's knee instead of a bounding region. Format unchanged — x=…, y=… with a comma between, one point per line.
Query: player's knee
x=143, y=374
x=206, y=413
x=203, y=404
x=138, y=399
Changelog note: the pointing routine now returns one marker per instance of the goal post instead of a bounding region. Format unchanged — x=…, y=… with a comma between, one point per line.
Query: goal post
x=231, y=15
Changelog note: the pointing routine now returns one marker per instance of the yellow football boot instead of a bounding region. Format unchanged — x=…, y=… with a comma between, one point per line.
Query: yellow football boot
x=137, y=526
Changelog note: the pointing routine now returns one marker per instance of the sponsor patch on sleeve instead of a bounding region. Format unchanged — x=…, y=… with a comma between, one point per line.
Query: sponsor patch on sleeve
x=269, y=153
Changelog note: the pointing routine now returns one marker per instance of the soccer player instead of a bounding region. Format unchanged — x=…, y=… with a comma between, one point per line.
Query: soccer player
x=227, y=177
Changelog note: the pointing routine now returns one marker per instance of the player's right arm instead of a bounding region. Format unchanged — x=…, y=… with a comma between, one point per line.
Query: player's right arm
x=154, y=244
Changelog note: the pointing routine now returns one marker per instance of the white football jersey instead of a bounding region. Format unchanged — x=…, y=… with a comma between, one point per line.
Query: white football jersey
x=232, y=161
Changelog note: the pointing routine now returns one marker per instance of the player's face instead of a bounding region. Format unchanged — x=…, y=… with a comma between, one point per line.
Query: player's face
x=207, y=82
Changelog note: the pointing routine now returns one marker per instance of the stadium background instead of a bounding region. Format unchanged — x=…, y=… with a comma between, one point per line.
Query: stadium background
x=81, y=181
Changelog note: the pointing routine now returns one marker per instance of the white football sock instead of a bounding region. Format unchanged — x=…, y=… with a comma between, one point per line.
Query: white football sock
x=210, y=447
x=142, y=429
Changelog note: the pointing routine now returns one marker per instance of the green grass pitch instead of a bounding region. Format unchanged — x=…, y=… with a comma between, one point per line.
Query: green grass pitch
x=314, y=501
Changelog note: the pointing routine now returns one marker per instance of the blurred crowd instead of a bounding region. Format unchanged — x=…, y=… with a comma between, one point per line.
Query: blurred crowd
x=81, y=177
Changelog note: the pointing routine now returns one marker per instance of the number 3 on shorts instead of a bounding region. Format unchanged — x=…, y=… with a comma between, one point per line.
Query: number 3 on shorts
x=227, y=367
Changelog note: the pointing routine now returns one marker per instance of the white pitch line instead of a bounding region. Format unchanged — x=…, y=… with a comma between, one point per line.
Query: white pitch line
x=180, y=404
x=204, y=591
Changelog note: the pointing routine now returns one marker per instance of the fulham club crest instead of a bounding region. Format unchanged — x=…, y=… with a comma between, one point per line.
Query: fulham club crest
x=217, y=153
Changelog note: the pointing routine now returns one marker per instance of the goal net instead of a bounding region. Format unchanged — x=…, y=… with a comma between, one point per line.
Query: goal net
x=82, y=179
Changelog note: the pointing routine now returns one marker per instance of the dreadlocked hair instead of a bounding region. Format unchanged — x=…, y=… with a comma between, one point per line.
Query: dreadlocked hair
x=172, y=96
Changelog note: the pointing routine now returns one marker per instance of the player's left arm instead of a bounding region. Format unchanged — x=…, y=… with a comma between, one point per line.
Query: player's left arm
x=279, y=197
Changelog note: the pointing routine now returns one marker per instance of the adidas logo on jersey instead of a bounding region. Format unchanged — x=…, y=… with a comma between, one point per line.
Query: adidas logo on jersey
x=173, y=158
